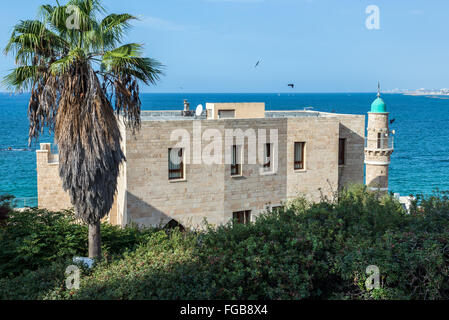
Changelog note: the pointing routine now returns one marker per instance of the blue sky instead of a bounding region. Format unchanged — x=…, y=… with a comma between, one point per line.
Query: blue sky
x=320, y=45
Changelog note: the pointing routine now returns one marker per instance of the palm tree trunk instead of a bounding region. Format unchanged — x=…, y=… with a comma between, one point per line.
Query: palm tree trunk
x=94, y=240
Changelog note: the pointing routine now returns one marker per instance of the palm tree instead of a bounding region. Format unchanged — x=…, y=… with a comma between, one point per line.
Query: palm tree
x=81, y=79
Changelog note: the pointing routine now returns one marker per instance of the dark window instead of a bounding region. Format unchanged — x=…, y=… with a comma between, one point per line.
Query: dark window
x=226, y=114
x=267, y=160
x=382, y=141
x=341, y=152
x=236, y=167
x=175, y=164
x=243, y=217
x=299, y=155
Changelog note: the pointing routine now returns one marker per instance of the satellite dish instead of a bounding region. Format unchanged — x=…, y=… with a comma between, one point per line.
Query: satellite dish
x=199, y=110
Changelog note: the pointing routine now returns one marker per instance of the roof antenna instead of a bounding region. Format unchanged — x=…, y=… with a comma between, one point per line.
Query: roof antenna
x=378, y=89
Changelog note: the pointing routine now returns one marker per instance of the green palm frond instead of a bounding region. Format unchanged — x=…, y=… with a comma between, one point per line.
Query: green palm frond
x=26, y=41
x=45, y=12
x=130, y=50
x=29, y=26
x=127, y=59
x=21, y=78
x=26, y=34
x=116, y=21
x=63, y=65
x=31, y=37
x=89, y=7
x=71, y=20
x=113, y=28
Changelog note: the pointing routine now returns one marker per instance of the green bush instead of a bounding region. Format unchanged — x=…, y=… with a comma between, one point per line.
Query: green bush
x=5, y=208
x=303, y=251
x=34, y=285
x=35, y=238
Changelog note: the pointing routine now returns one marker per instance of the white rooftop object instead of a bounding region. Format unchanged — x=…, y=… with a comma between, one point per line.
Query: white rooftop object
x=406, y=201
x=86, y=261
x=199, y=110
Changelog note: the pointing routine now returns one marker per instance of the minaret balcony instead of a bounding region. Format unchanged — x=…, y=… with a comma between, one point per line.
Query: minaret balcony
x=385, y=144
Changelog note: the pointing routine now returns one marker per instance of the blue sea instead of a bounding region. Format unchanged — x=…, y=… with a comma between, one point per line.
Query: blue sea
x=420, y=163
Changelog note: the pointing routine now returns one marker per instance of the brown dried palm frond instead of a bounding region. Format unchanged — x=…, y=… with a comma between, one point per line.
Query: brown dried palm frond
x=88, y=137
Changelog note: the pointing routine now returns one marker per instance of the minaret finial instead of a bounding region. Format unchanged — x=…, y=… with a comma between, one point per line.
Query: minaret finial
x=378, y=89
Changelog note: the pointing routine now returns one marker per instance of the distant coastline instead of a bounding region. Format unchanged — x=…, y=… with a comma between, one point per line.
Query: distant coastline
x=428, y=95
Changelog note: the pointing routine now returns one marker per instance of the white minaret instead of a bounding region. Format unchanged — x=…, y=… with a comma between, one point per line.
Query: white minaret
x=379, y=146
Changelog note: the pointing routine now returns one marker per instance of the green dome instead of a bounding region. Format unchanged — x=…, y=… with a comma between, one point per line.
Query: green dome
x=378, y=106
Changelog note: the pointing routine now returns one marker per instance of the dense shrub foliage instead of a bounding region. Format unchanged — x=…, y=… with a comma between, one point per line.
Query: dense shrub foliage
x=35, y=238
x=5, y=207
x=303, y=251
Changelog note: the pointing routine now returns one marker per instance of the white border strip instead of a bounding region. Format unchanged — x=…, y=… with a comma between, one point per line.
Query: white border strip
x=378, y=163
x=378, y=189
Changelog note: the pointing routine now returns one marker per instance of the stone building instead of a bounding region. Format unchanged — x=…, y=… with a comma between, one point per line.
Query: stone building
x=304, y=153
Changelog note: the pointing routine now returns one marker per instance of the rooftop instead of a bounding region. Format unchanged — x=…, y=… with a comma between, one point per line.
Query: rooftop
x=238, y=111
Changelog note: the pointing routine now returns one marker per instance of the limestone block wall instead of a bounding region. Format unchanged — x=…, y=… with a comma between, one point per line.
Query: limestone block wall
x=208, y=191
x=378, y=120
x=51, y=195
x=118, y=214
x=377, y=176
x=152, y=199
x=321, y=136
x=145, y=195
x=254, y=190
x=352, y=128
x=242, y=110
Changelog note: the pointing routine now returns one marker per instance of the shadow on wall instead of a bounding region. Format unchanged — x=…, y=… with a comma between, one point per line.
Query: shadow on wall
x=143, y=214
x=378, y=182
x=353, y=170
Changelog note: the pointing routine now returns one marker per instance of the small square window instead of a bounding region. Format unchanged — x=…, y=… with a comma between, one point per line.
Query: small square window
x=242, y=217
x=226, y=114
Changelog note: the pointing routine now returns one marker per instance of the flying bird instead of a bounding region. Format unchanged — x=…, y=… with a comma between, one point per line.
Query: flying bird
x=291, y=85
x=392, y=121
x=257, y=64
